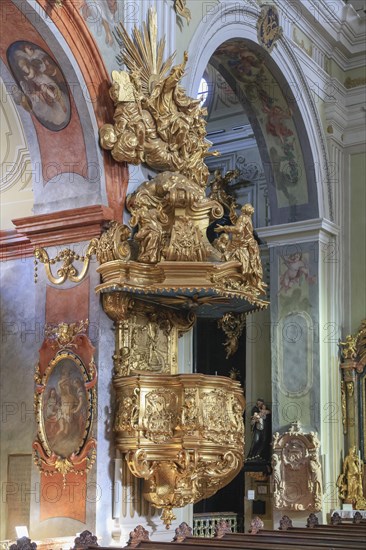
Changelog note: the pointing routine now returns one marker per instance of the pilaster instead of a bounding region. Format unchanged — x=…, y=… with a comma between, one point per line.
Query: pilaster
x=305, y=329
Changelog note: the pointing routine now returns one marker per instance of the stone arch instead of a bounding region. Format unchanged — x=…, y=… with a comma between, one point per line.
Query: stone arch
x=83, y=175
x=229, y=21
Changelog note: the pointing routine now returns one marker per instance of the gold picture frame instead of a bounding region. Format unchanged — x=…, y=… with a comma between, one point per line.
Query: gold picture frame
x=65, y=403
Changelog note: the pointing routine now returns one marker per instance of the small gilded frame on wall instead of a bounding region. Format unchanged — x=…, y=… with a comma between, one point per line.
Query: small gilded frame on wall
x=65, y=403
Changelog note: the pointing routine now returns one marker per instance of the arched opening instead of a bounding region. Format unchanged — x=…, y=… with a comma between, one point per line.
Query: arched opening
x=255, y=120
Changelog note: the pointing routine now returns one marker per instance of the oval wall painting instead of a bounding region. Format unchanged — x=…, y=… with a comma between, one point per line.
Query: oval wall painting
x=65, y=407
x=42, y=85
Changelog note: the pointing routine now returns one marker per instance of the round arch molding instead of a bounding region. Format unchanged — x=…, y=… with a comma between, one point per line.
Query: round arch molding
x=228, y=21
x=74, y=30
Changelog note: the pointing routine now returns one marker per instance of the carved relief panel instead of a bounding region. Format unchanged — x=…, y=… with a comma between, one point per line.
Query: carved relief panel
x=297, y=475
x=146, y=335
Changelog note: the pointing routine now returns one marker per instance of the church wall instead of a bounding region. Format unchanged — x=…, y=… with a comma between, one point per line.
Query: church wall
x=15, y=166
x=21, y=336
x=26, y=310
x=358, y=239
x=294, y=341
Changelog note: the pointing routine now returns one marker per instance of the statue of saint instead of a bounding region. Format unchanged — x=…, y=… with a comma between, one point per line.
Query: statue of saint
x=261, y=428
x=243, y=247
x=349, y=482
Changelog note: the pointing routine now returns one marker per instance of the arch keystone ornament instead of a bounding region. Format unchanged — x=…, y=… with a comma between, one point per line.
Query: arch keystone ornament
x=268, y=27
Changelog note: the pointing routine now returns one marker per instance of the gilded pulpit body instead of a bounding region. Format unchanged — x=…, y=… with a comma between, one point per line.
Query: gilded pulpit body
x=182, y=433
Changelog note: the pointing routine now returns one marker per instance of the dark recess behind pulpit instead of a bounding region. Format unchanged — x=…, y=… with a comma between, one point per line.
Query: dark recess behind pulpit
x=209, y=356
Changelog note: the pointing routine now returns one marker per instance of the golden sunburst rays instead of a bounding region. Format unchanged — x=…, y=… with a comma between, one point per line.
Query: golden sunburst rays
x=144, y=54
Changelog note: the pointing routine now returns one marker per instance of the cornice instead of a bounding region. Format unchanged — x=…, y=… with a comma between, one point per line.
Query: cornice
x=298, y=232
x=57, y=228
x=346, y=116
x=14, y=246
x=332, y=27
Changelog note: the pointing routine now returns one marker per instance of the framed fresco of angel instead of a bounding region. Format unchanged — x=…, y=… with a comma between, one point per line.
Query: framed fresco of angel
x=65, y=405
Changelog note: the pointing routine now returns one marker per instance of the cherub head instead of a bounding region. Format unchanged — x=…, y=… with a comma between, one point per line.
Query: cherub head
x=247, y=209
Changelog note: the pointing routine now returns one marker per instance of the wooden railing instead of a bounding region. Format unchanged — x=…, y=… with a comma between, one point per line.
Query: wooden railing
x=204, y=525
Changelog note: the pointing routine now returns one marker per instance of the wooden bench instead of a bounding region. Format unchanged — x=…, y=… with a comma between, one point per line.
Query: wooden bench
x=349, y=538
x=218, y=545
x=139, y=538
x=287, y=539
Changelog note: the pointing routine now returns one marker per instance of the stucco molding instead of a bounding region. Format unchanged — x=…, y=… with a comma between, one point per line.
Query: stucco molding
x=304, y=231
x=58, y=228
